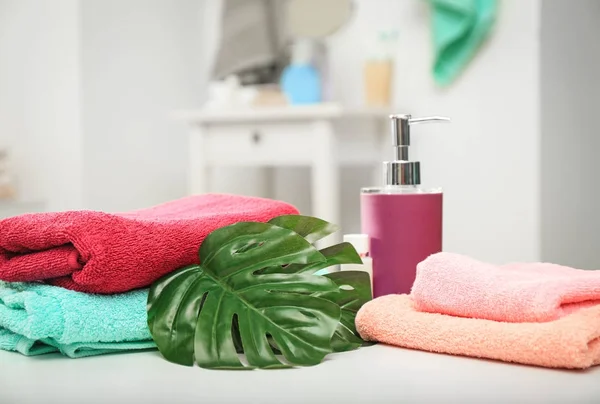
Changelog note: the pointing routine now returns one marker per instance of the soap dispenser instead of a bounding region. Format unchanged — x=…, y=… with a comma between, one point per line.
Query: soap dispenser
x=402, y=219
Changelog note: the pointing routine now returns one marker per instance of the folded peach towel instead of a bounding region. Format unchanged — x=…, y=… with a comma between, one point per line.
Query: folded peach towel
x=523, y=292
x=570, y=342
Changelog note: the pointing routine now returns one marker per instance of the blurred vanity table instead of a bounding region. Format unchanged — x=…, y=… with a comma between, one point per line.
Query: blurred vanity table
x=321, y=136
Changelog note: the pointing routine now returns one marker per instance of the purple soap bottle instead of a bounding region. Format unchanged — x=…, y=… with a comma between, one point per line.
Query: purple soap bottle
x=403, y=220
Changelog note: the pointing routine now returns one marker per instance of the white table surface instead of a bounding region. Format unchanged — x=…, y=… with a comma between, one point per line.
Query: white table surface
x=377, y=374
x=276, y=113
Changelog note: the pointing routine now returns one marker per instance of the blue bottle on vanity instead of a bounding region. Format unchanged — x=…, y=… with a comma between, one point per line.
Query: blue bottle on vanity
x=301, y=80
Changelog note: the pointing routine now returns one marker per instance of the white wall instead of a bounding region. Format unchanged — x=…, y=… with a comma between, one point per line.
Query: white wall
x=40, y=99
x=570, y=97
x=85, y=92
x=141, y=59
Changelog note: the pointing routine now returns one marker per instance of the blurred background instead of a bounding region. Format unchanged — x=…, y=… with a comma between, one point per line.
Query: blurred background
x=121, y=104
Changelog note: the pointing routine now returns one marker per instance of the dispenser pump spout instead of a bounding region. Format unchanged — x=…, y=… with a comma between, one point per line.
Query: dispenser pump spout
x=401, y=171
x=401, y=124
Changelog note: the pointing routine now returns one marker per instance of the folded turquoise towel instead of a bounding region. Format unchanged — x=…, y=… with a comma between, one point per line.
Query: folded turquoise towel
x=459, y=28
x=37, y=319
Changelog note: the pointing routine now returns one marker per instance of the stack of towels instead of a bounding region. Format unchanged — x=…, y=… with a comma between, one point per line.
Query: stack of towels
x=531, y=313
x=76, y=282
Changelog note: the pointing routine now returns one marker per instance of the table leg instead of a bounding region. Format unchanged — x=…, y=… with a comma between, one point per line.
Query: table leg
x=197, y=168
x=325, y=178
x=266, y=185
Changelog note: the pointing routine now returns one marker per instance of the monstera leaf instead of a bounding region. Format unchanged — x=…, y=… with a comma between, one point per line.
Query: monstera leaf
x=354, y=287
x=354, y=291
x=255, y=293
x=191, y=311
x=313, y=229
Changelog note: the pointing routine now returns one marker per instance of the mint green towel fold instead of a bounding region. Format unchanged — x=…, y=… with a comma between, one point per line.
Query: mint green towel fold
x=459, y=29
x=37, y=319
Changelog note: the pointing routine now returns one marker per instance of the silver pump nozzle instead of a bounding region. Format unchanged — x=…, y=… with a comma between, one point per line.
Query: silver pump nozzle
x=401, y=171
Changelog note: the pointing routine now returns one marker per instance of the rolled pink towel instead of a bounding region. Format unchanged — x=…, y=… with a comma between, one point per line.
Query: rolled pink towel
x=524, y=292
x=570, y=342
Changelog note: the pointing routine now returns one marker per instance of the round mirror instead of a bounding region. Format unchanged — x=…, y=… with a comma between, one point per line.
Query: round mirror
x=317, y=18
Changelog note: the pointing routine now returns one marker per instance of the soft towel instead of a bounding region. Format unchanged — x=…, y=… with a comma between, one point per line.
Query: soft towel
x=459, y=29
x=98, y=252
x=251, y=39
x=570, y=342
x=37, y=319
x=454, y=284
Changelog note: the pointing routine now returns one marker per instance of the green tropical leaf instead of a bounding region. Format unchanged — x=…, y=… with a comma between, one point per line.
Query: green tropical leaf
x=354, y=290
x=314, y=229
x=343, y=253
x=311, y=228
x=356, y=284
x=192, y=311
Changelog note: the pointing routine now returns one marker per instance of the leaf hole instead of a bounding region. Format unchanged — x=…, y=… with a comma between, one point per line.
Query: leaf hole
x=279, y=292
x=261, y=271
x=346, y=287
x=248, y=247
x=273, y=345
x=204, y=296
x=244, y=360
x=307, y=314
x=235, y=334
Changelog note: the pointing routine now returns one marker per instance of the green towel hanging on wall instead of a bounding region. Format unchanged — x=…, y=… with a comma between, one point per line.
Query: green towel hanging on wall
x=459, y=29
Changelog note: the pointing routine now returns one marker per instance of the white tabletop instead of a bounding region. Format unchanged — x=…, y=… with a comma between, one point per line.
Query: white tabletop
x=377, y=374
x=277, y=113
